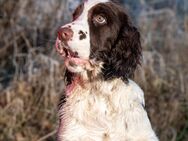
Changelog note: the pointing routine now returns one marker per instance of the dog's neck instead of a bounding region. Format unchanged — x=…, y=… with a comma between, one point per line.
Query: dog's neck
x=82, y=80
x=76, y=80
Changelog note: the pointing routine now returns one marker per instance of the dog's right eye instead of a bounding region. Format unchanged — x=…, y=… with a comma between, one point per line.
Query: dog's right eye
x=99, y=19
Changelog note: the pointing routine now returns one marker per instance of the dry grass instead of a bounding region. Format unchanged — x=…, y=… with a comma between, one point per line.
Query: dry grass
x=164, y=73
x=31, y=73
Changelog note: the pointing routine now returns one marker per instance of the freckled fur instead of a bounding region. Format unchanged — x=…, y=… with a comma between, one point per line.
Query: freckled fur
x=82, y=35
x=99, y=108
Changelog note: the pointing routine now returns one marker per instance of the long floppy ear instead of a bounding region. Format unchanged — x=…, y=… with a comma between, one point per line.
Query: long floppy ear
x=126, y=54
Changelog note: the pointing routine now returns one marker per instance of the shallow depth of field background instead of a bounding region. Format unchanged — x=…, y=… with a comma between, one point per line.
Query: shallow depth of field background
x=31, y=72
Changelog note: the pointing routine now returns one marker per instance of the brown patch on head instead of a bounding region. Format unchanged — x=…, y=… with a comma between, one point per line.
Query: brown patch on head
x=115, y=42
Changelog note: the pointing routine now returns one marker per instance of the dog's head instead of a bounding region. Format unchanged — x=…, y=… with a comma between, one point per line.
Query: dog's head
x=100, y=32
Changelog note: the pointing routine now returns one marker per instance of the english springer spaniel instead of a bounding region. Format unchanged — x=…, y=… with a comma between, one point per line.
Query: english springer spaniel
x=101, y=49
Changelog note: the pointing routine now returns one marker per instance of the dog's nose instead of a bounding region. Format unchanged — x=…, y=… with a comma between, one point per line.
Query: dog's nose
x=65, y=34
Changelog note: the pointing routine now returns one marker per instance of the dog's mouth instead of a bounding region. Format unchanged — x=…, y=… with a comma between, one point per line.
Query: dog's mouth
x=70, y=54
x=64, y=50
x=73, y=62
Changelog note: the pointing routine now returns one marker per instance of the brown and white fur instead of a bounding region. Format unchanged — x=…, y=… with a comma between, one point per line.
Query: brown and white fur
x=101, y=49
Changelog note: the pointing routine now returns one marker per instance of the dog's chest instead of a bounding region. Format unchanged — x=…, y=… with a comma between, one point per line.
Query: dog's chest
x=105, y=111
x=96, y=112
x=94, y=103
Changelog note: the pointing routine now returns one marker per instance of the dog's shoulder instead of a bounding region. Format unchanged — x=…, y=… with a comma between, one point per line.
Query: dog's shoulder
x=112, y=107
x=136, y=91
x=128, y=93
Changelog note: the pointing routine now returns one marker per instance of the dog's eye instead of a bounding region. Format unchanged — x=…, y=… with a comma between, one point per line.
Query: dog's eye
x=99, y=19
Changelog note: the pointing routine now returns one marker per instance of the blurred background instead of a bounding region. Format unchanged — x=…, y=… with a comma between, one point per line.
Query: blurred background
x=31, y=72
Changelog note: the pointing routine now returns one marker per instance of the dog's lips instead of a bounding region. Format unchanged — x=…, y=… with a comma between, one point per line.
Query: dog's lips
x=68, y=55
x=59, y=47
x=64, y=50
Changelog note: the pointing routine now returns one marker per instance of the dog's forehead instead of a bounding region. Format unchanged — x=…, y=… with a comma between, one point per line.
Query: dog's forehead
x=90, y=3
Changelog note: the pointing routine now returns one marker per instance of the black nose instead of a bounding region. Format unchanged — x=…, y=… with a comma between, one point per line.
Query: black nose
x=65, y=34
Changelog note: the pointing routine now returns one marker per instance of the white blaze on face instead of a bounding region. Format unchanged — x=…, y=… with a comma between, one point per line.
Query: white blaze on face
x=80, y=27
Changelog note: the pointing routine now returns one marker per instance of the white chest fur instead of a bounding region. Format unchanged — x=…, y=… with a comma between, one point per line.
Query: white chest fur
x=105, y=111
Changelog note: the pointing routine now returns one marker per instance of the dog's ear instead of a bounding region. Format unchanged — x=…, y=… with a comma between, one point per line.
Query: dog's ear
x=125, y=54
x=129, y=48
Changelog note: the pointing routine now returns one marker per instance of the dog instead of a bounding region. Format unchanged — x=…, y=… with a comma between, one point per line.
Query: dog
x=101, y=50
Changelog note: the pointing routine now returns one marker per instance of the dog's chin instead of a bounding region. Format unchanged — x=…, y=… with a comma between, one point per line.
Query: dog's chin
x=76, y=65
x=73, y=62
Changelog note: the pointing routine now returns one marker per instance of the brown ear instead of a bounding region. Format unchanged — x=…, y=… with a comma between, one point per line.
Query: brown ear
x=129, y=48
x=125, y=55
